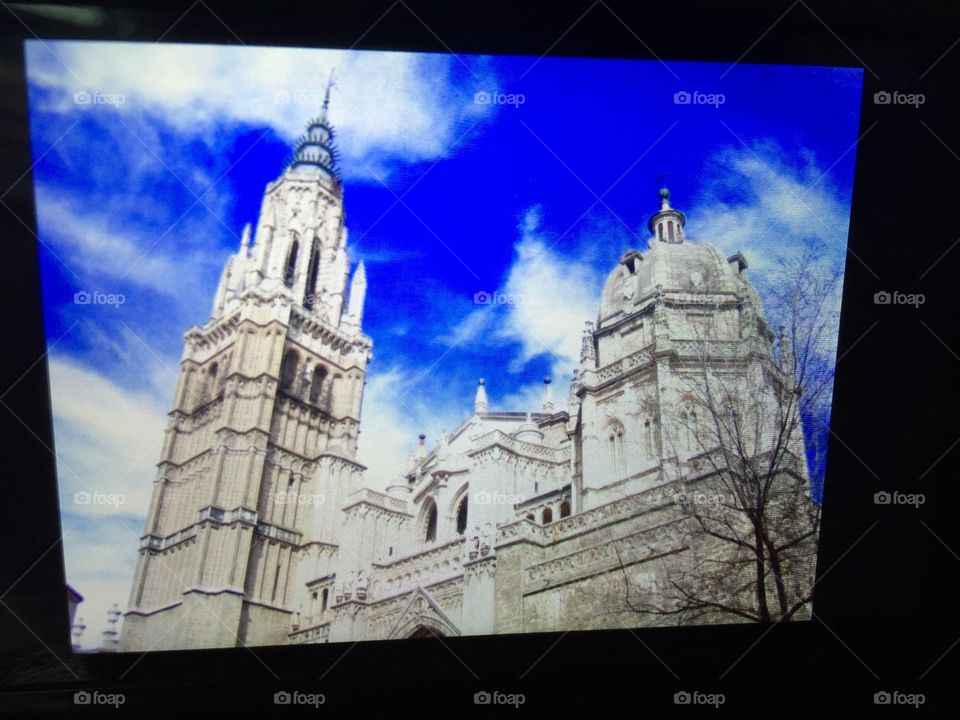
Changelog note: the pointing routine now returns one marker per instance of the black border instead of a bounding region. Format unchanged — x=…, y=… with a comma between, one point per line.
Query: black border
x=887, y=594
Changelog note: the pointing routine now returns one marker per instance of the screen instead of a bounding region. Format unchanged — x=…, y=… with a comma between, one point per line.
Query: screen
x=364, y=345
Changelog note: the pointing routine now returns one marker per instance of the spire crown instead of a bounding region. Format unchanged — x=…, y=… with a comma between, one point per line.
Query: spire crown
x=667, y=224
x=317, y=147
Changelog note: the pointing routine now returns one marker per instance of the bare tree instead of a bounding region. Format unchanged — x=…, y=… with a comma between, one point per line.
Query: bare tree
x=734, y=443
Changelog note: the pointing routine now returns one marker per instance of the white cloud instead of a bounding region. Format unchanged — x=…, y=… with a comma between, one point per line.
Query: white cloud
x=553, y=296
x=100, y=558
x=98, y=249
x=386, y=106
x=779, y=205
x=108, y=441
x=395, y=412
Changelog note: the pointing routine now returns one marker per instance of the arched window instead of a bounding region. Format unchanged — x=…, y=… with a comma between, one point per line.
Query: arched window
x=564, y=509
x=288, y=370
x=222, y=373
x=291, y=269
x=615, y=439
x=310, y=292
x=531, y=518
x=547, y=516
x=462, y=517
x=688, y=419
x=660, y=232
x=325, y=597
x=210, y=385
x=431, y=530
x=670, y=229
x=316, y=383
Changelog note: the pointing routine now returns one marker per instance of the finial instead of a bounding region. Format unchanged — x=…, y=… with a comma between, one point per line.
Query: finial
x=326, y=95
x=480, y=403
x=664, y=198
x=547, y=396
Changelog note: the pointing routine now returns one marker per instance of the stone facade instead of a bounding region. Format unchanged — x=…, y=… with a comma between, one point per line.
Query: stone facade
x=262, y=530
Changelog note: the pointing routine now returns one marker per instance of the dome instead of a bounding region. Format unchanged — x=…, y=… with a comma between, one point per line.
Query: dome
x=529, y=431
x=673, y=266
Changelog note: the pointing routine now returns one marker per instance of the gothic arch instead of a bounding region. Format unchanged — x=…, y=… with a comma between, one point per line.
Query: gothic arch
x=689, y=426
x=613, y=436
x=290, y=269
x=423, y=614
x=428, y=521
x=317, y=382
x=288, y=369
x=313, y=270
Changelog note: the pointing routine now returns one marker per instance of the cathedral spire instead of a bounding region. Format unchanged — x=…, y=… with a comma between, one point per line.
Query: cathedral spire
x=667, y=224
x=316, y=147
x=480, y=401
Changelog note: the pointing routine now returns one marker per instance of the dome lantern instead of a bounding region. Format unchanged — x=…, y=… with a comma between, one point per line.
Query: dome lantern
x=667, y=224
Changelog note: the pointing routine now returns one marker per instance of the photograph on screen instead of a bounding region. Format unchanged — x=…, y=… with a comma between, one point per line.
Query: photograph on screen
x=362, y=345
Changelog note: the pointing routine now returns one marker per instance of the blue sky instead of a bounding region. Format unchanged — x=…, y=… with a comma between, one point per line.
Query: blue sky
x=145, y=194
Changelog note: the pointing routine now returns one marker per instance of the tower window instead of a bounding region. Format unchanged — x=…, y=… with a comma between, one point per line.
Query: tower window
x=290, y=272
x=326, y=596
x=648, y=438
x=615, y=437
x=462, y=517
x=564, y=509
x=547, y=516
x=316, y=383
x=310, y=292
x=688, y=419
x=210, y=391
x=670, y=229
x=660, y=232
x=288, y=370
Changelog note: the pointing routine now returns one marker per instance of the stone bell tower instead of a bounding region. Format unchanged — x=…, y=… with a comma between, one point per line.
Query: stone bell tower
x=259, y=450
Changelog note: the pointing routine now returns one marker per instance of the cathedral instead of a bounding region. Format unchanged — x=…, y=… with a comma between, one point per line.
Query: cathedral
x=262, y=528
